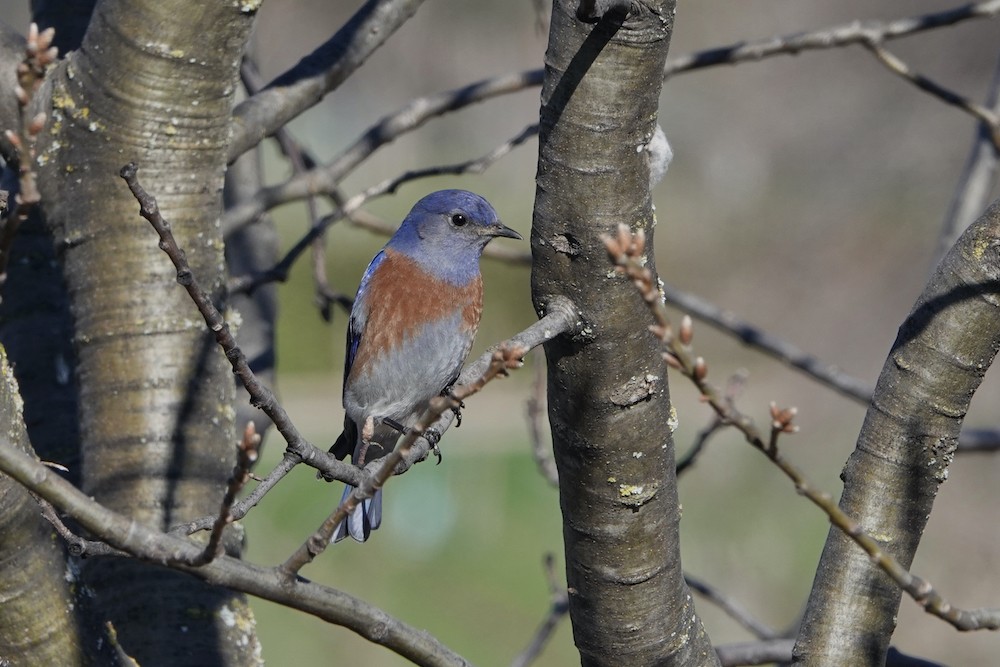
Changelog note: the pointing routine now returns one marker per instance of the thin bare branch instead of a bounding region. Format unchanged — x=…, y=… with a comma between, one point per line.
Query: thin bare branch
x=537, y=422
x=38, y=55
x=242, y=507
x=626, y=251
x=76, y=545
x=755, y=653
x=977, y=180
x=731, y=324
x=247, y=453
x=731, y=607
x=323, y=180
x=559, y=609
x=318, y=73
x=895, y=65
x=733, y=388
x=855, y=32
x=351, y=211
x=261, y=396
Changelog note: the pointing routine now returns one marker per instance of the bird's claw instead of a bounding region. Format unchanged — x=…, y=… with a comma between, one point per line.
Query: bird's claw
x=433, y=437
x=456, y=409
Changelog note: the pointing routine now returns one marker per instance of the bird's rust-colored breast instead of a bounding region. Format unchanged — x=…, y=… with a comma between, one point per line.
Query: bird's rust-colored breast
x=402, y=297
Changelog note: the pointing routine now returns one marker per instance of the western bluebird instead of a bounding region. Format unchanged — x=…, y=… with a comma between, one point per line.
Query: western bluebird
x=414, y=318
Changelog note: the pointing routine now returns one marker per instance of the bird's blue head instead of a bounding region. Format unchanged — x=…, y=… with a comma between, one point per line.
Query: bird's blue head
x=446, y=231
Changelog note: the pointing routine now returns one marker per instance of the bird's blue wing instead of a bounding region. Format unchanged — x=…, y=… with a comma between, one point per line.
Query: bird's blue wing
x=359, y=313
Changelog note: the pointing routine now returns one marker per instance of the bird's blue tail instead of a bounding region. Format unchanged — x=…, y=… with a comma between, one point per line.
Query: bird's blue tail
x=365, y=518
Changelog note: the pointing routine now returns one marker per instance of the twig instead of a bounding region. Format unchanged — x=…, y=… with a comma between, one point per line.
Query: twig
x=260, y=395
x=535, y=409
x=417, y=112
x=684, y=464
x=77, y=546
x=241, y=508
x=897, y=66
x=976, y=182
x=626, y=251
x=855, y=32
x=733, y=609
x=38, y=55
x=504, y=360
x=317, y=74
x=558, y=609
x=730, y=324
x=323, y=180
x=733, y=388
x=764, y=652
x=300, y=162
x=349, y=209
x=247, y=454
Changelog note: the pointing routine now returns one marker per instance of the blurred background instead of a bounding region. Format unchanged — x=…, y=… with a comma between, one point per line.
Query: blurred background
x=806, y=196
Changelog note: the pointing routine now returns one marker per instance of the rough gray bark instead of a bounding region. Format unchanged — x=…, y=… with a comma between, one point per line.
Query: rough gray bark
x=907, y=442
x=37, y=623
x=156, y=422
x=609, y=406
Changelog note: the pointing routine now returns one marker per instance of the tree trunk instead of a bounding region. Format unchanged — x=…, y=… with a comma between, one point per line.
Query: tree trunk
x=609, y=406
x=156, y=422
x=37, y=624
x=907, y=442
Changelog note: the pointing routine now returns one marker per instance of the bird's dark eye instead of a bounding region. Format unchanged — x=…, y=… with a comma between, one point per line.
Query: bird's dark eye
x=459, y=220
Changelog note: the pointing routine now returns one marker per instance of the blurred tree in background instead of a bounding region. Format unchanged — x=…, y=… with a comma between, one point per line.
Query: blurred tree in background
x=807, y=198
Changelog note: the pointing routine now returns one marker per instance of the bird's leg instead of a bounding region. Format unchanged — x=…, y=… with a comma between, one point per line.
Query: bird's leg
x=394, y=425
x=430, y=435
x=458, y=408
x=367, y=433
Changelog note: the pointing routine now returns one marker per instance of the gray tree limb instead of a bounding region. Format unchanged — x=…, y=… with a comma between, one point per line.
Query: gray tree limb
x=608, y=402
x=905, y=447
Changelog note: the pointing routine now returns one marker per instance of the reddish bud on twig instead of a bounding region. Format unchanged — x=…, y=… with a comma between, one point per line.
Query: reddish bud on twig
x=781, y=418
x=686, y=333
x=638, y=243
x=14, y=140
x=700, y=369
x=613, y=250
x=672, y=360
x=624, y=238
x=36, y=124
x=664, y=332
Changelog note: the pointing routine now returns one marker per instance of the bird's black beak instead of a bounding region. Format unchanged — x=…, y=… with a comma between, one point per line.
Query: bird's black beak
x=500, y=229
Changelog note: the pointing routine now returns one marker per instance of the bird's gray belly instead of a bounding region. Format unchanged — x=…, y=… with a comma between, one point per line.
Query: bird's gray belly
x=402, y=381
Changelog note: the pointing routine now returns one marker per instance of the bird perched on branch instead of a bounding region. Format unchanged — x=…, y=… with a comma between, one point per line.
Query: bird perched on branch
x=412, y=325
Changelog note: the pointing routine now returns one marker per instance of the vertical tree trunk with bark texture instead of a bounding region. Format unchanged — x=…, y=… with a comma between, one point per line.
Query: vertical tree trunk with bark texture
x=609, y=407
x=156, y=395
x=37, y=623
x=905, y=447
